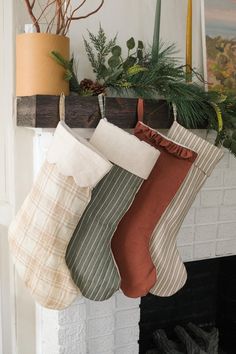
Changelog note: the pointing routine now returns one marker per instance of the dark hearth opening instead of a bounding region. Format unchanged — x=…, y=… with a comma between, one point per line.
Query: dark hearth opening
x=207, y=300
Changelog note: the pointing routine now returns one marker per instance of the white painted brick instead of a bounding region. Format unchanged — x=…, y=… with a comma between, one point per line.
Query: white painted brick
x=72, y=334
x=101, y=345
x=204, y=250
x=97, y=309
x=227, y=213
x=230, y=197
x=211, y=198
x=232, y=162
x=49, y=328
x=185, y=235
x=224, y=162
x=100, y=326
x=215, y=180
x=123, y=301
x=72, y=349
x=206, y=215
x=79, y=300
x=189, y=219
x=111, y=327
x=186, y=253
x=72, y=314
x=227, y=230
x=196, y=202
x=206, y=232
x=230, y=178
x=126, y=336
x=133, y=349
x=227, y=247
x=127, y=318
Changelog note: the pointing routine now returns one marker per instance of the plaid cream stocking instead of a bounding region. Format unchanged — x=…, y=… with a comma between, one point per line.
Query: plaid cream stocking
x=41, y=230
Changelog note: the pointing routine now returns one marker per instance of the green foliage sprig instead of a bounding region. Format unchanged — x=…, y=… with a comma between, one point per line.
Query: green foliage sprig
x=107, y=62
x=70, y=74
x=97, y=51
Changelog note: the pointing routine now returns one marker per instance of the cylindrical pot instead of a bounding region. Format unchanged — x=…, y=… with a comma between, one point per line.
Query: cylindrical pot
x=37, y=73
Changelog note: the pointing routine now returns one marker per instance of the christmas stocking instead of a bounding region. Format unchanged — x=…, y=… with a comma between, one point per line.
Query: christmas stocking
x=171, y=273
x=130, y=244
x=40, y=232
x=89, y=255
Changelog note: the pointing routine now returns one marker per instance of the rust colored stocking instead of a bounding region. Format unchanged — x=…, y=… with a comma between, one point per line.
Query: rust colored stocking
x=130, y=244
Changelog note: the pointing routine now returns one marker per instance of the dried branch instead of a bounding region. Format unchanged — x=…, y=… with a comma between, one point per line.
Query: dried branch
x=68, y=21
x=43, y=10
x=59, y=5
x=72, y=18
x=63, y=14
x=30, y=10
x=59, y=16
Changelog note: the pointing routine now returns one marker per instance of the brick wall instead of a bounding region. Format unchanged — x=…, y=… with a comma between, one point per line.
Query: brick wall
x=209, y=229
x=111, y=327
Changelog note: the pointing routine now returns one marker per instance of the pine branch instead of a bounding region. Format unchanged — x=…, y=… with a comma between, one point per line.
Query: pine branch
x=68, y=65
x=91, y=55
x=97, y=50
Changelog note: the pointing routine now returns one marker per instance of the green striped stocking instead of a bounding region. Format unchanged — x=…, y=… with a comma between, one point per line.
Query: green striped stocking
x=89, y=255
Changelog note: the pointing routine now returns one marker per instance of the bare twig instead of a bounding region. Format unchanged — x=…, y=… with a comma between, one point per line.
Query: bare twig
x=63, y=14
x=59, y=4
x=43, y=10
x=58, y=15
x=68, y=21
x=71, y=18
x=30, y=10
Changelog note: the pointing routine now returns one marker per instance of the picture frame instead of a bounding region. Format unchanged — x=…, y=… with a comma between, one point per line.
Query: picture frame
x=219, y=44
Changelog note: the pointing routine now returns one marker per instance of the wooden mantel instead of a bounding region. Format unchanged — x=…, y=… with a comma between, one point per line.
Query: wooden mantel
x=42, y=111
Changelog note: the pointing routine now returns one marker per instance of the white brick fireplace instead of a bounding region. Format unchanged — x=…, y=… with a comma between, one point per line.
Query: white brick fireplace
x=112, y=327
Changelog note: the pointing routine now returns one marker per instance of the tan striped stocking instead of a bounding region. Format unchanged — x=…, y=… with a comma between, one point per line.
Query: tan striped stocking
x=171, y=273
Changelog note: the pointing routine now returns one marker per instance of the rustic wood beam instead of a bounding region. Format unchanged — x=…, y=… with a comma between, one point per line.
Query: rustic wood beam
x=42, y=111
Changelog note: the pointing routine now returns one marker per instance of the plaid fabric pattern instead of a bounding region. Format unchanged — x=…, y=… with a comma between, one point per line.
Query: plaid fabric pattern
x=39, y=235
x=171, y=272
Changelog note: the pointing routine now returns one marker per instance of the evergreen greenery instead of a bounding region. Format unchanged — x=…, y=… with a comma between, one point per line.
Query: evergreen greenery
x=156, y=73
x=70, y=74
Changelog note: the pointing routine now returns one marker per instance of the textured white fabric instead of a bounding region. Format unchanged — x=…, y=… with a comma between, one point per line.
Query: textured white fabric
x=124, y=149
x=42, y=228
x=76, y=157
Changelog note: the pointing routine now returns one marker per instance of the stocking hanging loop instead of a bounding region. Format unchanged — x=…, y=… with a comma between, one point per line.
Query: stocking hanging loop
x=140, y=110
x=102, y=104
x=62, y=107
x=174, y=111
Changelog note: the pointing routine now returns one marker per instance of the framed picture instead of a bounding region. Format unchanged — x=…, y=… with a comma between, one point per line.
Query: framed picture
x=219, y=44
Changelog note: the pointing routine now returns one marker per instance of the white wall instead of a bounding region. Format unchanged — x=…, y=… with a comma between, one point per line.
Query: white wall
x=136, y=18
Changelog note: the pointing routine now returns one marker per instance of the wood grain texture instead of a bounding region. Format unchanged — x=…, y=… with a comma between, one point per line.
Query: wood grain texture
x=83, y=112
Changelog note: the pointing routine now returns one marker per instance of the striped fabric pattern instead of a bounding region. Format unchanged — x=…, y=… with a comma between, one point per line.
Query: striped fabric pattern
x=89, y=255
x=171, y=272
